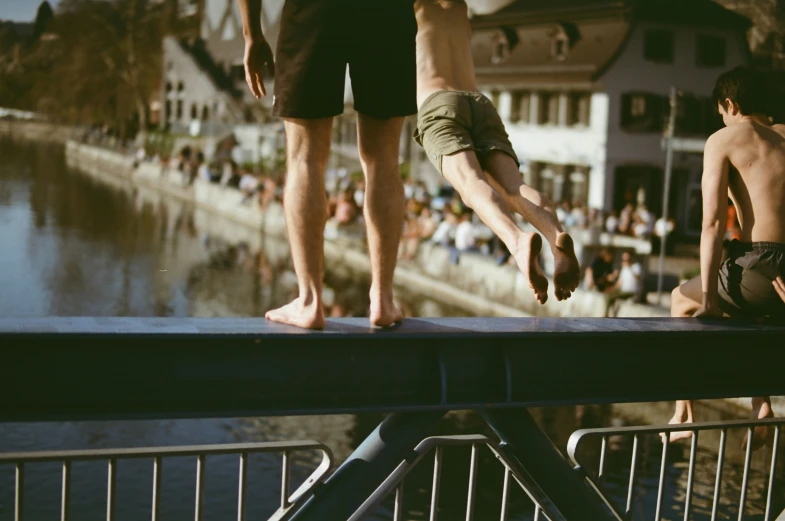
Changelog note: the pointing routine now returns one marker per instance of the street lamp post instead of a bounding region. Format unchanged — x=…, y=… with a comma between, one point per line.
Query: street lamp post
x=669, y=135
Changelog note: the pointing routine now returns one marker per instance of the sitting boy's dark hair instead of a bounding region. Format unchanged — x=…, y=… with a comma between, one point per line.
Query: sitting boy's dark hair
x=746, y=86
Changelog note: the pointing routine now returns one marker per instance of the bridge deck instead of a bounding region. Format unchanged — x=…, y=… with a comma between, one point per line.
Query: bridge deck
x=82, y=368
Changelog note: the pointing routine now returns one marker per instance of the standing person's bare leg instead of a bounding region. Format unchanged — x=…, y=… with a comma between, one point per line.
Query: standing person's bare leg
x=383, y=209
x=463, y=171
x=536, y=208
x=305, y=211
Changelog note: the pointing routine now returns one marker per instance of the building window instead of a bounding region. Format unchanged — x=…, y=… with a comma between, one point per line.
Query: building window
x=579, y=113
x=553, y=109
x=168, y=86
x=167, y=110
x=179, y=114
x=710, y=51
x=658, y=46
x=194, y=111
x=205, y=113
x=638, y=106
x=495, y=96
x=521, y=106
x=643, y=112
x=697, y=115
x=504, y=41
x=180, y=87
x=563, y=38
x=560, y=46
x=548, y=109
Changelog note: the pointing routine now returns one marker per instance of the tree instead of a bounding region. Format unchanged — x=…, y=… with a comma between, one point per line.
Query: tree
x=104, y=63
x=43, y=18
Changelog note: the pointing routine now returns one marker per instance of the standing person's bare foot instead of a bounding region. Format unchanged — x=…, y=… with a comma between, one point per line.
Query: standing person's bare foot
x=761, y=408
x=683, y=416
x=525, y=255
x=383, y=311
x=566, y=270
x=298, y=313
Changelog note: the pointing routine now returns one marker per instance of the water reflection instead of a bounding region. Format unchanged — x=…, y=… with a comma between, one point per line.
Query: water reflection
x=74, y=245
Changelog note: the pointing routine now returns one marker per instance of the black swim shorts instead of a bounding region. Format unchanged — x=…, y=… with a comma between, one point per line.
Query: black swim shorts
x=450, y=121
x=745, y=286
x=319, y=38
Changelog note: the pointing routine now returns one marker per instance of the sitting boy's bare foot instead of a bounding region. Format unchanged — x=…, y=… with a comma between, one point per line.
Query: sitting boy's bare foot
x=762, y=434
x=566, y=270
x=296, y=313
x=384, y=313
x=678, y=435
x=525, y=256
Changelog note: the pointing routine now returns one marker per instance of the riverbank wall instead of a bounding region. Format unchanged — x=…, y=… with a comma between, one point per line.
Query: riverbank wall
x=477, y=283
x=33, y=130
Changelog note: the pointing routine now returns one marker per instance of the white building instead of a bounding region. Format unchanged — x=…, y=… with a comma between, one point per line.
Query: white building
x=204, y=78
x=582, y=87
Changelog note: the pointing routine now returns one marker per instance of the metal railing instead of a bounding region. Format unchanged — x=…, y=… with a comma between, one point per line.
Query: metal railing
x=395, y=482
x=597, y=479
x=284, y=511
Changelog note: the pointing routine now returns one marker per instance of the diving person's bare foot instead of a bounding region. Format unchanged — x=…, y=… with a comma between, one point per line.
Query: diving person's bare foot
x=566, y=270
x=525, y=256
x=297, y=313
x=760, y=434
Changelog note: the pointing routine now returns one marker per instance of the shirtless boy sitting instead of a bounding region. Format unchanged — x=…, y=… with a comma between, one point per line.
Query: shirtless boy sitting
x=745, y=160
x=465, y=140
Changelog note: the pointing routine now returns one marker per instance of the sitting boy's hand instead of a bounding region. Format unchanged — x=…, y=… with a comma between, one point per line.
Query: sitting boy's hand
x=779, y=286
x=707, y=312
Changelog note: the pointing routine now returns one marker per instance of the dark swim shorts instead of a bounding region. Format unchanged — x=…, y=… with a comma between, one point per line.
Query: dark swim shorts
x=745, y=287
x=319, y=38
x=450, y=121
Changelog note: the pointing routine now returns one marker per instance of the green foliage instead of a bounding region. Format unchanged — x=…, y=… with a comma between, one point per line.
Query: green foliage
x=690, y=273
x=406, y=170
x=159, y=143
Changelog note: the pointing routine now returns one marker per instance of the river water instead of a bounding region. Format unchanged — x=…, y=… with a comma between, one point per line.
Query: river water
x=72, y=245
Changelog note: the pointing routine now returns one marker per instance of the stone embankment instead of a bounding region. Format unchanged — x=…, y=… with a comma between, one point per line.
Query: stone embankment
x=476, y=283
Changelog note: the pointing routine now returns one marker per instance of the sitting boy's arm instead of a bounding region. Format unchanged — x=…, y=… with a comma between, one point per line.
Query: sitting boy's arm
x=714, y=186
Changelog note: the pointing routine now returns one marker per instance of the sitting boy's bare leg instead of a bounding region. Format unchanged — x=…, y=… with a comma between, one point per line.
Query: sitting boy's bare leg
x=536, y=208
x=463, y=171
x=761, y=408
x=683, y=414
x=686, y=299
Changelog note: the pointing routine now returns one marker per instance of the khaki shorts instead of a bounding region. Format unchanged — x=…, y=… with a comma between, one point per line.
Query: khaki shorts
x=450, y=121
x=745, y=287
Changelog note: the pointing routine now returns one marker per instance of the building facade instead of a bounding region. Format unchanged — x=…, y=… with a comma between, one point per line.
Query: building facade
x=585, y=99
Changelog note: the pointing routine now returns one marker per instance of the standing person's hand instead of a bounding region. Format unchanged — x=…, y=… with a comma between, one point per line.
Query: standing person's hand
x=257, y=55
x=779, y=286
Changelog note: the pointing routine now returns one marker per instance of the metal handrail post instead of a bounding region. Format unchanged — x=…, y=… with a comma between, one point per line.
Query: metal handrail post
x=523, y=442
x=369, y=466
